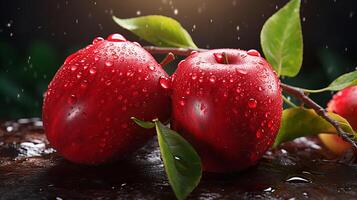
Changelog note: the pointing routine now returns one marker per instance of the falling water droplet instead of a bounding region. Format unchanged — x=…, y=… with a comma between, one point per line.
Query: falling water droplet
x=252, y=103
x=97, y=40
x=253, y=52
x=116, y=38
x=165, y=82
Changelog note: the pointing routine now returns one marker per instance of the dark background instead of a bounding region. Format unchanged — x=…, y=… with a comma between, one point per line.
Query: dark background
x=37, y=35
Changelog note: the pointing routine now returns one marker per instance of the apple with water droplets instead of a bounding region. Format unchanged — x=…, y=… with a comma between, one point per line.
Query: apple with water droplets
x=89, y=102
x=228, y=104
x=343, y=103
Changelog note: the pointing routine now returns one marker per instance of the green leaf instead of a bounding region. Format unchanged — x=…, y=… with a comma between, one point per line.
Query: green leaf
x=143, y=124
x=281, y=40
x=181, y=161
x=343, y=81
x=299, y=122
x=158, y=30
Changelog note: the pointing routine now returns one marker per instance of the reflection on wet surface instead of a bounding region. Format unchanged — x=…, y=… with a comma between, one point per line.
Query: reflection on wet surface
x=30, y=169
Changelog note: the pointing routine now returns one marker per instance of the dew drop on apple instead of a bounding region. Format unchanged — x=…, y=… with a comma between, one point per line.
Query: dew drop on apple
x=84, y=84
x=97, y=40
x=238, y=90
x=212, y=79
x=165, y=82
x=79, y=75
x=182, y=101
x=72, y=99
x=151, y=68
x=259, y=133
x=253, y=52
x=241, y=71
x=193, y=52
x=108, y=63
x=252, y=103
x=218, y=57
x=116, y=38
x=92, y=71
x=73, y=68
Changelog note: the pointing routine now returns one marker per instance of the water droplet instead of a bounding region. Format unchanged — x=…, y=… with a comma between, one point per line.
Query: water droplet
x=108, y=82
x=108, y=63
x=92, y=71
x=79, y=75
x=97, y=40
x=137, y=44
x=182, y=101
x=73, y=68
x=96, y=58
x=70, y=57
x=152, y=68
x=194, y=77
x=218, y=57
x=116, y=38
x=212, y=79
x=193, y=52
x=297, y=179
x=241, y=71
x=84, y=84
x=260, y=88
x=238, y=90
x=252, y=103
x=144, y=90
x=253, y=52
x=72, y=99
x=165, y=82
x=258, y=134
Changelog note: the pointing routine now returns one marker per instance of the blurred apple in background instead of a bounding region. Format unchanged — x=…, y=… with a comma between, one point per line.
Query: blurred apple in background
x=343, y=103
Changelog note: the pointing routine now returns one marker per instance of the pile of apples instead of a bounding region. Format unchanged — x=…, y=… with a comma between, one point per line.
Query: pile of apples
x=226, y=102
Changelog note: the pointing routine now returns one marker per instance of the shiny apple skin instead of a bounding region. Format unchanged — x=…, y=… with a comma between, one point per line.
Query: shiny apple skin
x=343, y=103
x=229, y=112
x=89, y=103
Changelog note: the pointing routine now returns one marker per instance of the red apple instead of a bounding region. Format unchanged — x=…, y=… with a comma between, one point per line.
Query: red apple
x=343, y=103
x=228, y=104
x=89, y=102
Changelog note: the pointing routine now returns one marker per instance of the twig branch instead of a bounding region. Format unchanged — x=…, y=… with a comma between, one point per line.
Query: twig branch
x=295, y=91
x=300, y=94
x=176, y=51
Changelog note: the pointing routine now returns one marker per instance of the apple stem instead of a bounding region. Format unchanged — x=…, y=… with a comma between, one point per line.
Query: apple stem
x=168, y=58
x=225, y=58
x=302, y=96
x=294, y=91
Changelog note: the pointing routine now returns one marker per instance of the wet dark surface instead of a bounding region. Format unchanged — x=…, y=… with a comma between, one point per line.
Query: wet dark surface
x=30, y=169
